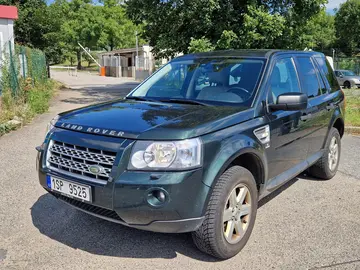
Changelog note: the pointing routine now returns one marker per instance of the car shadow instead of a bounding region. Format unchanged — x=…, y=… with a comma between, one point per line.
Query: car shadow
x=79, y=230
x=100, y=93
x=278, y=191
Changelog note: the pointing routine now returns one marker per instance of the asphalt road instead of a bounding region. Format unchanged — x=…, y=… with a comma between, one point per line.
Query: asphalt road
x=308, y=224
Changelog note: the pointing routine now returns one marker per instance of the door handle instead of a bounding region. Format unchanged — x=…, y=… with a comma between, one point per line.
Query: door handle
x=330, y=106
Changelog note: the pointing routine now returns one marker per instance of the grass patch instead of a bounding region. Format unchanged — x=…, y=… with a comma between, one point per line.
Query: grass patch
x=32, y=100
x=352, y=117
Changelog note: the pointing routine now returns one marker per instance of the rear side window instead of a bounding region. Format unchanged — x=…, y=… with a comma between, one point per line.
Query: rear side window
x=332, y=82
x=309, y=78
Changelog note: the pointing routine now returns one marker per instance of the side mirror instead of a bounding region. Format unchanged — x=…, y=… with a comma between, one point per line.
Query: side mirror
x=341, y=76
x=290, y=102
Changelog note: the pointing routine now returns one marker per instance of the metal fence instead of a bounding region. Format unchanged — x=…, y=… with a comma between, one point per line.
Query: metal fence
x=19, y=64
x=348, y=63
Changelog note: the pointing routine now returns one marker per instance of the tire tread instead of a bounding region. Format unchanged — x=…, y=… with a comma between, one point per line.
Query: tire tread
x=204, y=238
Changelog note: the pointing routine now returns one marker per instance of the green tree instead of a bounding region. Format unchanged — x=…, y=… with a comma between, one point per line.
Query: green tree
x=28, y=28
x=228, y=40
x=347, y=25
x=171, y=25
x=117, y=30
x=200, y=45
x=52, y=19
x=260, y=29
x=317, y=34
x=83, y=25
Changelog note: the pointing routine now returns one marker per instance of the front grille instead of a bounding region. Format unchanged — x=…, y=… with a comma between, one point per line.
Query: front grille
x=73, y=159
x=89, y=208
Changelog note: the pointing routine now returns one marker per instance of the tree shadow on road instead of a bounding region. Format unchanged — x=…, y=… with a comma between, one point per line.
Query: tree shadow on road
x=100, y=93
x=79, y=230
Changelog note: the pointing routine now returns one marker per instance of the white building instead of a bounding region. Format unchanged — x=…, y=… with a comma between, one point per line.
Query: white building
x=7, y=16
x=125, y=63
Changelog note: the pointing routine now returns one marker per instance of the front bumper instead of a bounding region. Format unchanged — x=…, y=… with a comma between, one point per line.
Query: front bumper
x=125, y=200
x=163, y=226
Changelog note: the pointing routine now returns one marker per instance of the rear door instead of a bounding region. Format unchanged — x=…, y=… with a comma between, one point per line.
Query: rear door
x=319, y=108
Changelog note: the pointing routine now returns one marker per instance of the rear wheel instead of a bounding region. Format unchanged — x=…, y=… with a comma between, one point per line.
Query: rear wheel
x=230, y=216
x=328, y=164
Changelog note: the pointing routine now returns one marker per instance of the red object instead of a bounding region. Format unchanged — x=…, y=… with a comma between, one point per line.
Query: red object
x=8, y=12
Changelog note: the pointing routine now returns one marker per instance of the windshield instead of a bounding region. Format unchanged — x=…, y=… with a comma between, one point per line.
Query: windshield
x=209, y=81
x=348, y=73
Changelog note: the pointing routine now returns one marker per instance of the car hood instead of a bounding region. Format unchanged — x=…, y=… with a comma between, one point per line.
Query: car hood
x=151, y=120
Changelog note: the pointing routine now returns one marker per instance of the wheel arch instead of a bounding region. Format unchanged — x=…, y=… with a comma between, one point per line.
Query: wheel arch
x=249, y=158
x=337, y=121
x=339, y=125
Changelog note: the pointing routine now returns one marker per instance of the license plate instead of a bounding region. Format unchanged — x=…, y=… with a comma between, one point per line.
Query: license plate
x=71, y=189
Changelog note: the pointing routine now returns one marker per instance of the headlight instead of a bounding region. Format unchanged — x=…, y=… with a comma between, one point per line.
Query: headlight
x=177, y=155
x=51, y=124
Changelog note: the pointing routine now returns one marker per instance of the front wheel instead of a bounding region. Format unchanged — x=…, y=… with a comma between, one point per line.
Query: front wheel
x=230, y=216
x=328, y=164
x=347, y=84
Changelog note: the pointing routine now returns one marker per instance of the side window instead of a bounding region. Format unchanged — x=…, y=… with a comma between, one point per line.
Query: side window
x=309, y=78
x=283, y=79
x=331, y=82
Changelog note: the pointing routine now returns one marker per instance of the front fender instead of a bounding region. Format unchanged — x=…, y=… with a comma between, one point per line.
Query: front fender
x=223, y=147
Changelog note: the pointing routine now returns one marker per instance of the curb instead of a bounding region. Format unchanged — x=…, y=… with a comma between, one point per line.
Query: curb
x=352, y=130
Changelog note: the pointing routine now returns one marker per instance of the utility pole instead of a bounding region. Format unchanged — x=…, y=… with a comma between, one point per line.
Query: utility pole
x=137, y=50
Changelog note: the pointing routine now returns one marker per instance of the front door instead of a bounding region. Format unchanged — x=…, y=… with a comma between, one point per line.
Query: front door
x=287, y=128
x=340, y=77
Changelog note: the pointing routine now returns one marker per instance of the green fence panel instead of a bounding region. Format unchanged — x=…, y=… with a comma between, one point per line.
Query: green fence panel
x=22, y=63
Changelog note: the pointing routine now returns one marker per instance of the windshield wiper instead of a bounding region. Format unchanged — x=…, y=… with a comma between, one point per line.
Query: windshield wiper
x=184, y=101
x=141, y=98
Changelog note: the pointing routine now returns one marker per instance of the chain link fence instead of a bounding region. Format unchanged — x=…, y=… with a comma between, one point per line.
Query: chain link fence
x=348, y=63
x=21, y=66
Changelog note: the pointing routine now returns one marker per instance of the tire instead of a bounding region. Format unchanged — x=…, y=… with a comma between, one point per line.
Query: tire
x=210, y=237
x=322, y=168
x=347, y=85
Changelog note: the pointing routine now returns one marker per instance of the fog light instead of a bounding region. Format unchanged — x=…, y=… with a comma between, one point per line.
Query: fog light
x=157, y=197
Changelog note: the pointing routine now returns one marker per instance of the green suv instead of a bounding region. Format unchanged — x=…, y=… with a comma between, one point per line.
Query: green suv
x=198, y=144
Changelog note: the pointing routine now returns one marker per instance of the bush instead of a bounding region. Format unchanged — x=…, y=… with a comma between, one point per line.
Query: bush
x=26, y=89
x=39, y=97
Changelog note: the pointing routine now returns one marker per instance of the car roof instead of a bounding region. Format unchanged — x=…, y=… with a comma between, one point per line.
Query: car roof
x=243, y=54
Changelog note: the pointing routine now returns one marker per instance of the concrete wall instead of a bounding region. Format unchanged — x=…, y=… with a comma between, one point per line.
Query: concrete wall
x=6, y=34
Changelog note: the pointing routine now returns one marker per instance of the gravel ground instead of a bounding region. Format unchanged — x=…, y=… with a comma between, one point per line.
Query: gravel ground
x=312, y=225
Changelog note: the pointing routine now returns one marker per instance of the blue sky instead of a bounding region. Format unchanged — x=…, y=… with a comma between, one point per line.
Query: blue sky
x=333, y=4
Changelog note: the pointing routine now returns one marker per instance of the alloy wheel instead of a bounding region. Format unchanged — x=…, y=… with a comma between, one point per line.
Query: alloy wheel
x=237, y=214
x=333, y=156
